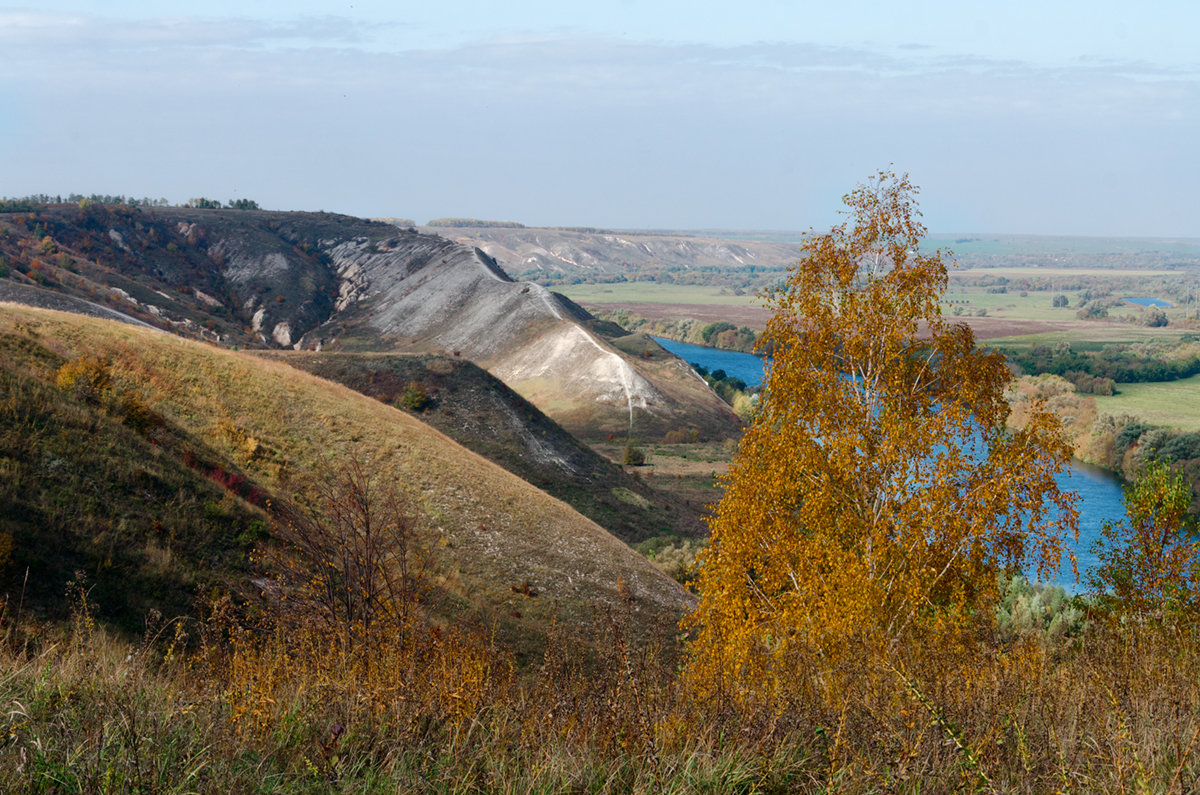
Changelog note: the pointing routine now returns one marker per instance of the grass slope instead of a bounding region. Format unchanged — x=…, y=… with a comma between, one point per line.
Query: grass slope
x=490, y=530
x=481, y=413
x=100, y=487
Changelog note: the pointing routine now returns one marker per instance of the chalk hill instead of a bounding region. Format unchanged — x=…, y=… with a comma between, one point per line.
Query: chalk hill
x=564, y=253
x=322, y=281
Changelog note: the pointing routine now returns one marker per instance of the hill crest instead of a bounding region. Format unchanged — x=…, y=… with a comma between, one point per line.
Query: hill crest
x=314, y=280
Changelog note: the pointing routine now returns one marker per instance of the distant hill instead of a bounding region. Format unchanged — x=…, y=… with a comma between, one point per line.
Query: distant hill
x=321, y=281
x=144, y=460
x=560, y=254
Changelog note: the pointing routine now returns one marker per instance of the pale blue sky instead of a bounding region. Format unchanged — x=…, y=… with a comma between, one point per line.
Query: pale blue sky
x=1024, y=117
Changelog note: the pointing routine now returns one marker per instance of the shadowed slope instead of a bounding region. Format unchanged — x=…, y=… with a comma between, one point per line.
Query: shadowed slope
x=481, y=413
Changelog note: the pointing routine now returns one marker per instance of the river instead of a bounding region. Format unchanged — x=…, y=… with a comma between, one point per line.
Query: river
x=1100, y=496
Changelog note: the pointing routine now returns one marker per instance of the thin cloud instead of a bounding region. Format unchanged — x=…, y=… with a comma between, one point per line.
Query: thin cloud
x=40, y=30
x=553, y=128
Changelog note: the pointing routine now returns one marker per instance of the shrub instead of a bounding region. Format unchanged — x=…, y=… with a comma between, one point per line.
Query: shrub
x=1026, y=608
x=351, y=562
x=86, y=378
x=675, y=557
x=1154, y=317
x=1092, y=311
x=1150, y=564
x=634, y=457
x=416, y=397
x=681, y=436
x=133, y=412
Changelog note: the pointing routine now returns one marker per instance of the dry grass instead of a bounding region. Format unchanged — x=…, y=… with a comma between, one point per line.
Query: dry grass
x=490, y=528
x=260, y=709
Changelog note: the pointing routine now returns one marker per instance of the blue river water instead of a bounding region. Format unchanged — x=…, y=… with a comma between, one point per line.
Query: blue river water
x=1100, y=496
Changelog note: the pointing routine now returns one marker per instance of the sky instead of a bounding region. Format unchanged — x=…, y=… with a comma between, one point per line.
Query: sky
x=1056, y=118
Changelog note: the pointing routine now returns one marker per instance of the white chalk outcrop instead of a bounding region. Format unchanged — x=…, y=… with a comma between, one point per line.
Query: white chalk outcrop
x=425, y=293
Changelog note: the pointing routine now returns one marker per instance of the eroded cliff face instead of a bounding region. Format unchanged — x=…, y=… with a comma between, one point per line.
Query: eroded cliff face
x=423, y=293
x=315, y=280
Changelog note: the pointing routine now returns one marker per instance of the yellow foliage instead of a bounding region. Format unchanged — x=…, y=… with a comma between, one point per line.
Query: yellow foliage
x=1149, y=565
x=879, y=492
x=86, y=377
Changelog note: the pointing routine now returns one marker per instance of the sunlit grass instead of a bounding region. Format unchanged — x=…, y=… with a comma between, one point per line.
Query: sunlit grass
x=491, y=528
x=1175, y=404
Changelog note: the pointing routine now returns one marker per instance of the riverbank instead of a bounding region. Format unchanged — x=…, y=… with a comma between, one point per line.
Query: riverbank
x=1101, y=493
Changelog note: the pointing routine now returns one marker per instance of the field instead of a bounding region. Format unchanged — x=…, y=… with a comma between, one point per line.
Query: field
x=689, y=471
x=1015, y=319
x=1015, y=272
x=1084, y=335
x=1012, y=305
x=654, y=293
x=1032, y=306
x=1175, y=404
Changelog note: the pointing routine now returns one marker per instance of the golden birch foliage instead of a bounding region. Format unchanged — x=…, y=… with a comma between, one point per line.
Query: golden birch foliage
x=879, y=492
x=1150, y=564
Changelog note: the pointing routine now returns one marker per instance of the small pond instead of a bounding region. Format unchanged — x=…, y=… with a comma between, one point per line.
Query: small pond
x=1148, y=301
x=1100, y=495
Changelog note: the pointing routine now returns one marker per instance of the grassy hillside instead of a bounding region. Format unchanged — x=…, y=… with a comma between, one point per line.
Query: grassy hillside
x=479, y=412
x=97, y=485
x=490, y=532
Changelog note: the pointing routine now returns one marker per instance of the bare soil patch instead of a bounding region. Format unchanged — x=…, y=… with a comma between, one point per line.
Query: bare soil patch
x=987, y=328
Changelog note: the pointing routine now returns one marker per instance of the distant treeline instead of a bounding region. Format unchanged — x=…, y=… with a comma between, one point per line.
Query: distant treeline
x=23, y=204
x=736, y=280
x=26, y=204
x=474, y=223
x=721, y=334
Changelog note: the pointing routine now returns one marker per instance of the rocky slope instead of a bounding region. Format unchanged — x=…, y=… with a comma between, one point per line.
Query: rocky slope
x=315, y=280
x=422, y=293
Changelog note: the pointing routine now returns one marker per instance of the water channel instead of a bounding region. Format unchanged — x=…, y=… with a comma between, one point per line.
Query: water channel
x=1099, y=493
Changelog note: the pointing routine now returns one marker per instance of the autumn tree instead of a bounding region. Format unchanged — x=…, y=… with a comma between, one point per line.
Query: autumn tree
x=1149, y=565
x=879, y=492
